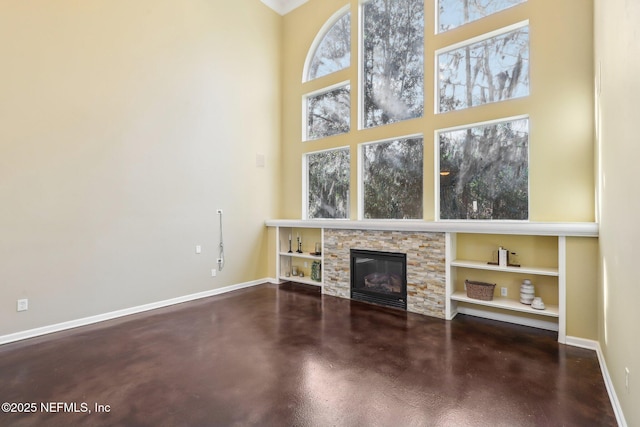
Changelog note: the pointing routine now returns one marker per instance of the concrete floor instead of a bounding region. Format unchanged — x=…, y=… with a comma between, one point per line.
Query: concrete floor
x=287, y=356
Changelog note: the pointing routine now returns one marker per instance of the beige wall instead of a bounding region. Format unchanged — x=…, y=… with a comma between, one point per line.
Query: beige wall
x=618, y=56
x=582, y=287
x=560, y=105
x=124, y=126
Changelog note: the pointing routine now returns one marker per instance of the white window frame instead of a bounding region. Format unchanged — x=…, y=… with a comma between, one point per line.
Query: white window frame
x=360, y=91
x=318, y=39
x=305, y=109
x=482, y=37
x=436, y=6
x=360, y=176
x=436, y=179
x=305, y=183
x=360, y=107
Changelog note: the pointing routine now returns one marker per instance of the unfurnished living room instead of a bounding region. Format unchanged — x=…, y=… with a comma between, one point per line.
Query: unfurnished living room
x=319, y=213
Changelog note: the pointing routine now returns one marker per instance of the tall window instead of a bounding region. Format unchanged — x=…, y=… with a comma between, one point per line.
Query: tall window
x=493, y=69
x=454, y=13
x=329, y=113
x=392, y=179
x=328, y=175
x=484, y=171
x=334, y=50
x=393, y=69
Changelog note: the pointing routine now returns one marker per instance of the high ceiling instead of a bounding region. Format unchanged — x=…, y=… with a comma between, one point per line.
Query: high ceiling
x=283, y=6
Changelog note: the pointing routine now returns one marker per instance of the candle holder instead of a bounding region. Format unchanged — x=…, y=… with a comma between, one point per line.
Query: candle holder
x=290, y=251
x=299, y=245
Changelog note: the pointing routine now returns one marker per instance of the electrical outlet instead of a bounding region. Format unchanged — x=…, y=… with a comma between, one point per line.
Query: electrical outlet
x=23, y=305
x=198, y=249
x=214, y=273
x=219, y=211
x=503, y=291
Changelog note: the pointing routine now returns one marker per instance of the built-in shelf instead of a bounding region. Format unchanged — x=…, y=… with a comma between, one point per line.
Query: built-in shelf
x=536, y=248
x=507, y=304
x=479, y=265
x=301, y=255
x=309, y=238
x=298, y=279
x=531, y=228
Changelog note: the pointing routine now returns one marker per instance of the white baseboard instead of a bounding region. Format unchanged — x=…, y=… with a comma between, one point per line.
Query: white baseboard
x=583, y=343
x=32, y=333
x=503, y=317
x=595, y=345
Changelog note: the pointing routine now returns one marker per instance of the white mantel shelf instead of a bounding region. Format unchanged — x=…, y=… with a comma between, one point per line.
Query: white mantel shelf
x=568, y=229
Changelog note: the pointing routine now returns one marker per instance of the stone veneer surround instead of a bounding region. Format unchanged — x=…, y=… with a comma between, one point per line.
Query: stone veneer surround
x=426, y=276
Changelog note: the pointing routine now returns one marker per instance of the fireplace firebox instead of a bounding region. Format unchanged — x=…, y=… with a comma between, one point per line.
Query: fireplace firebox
x=379, y=277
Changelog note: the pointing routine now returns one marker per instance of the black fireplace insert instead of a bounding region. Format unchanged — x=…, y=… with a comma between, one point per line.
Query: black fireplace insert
x=379, y=277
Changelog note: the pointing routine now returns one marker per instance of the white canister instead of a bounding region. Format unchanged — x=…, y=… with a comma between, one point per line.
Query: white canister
x=503, y=257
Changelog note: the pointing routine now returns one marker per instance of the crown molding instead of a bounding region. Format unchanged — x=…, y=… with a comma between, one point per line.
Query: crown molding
x=283, y=6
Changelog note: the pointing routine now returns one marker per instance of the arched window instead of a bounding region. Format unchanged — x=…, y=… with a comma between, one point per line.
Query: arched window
x=332, y=48
x=328, y=110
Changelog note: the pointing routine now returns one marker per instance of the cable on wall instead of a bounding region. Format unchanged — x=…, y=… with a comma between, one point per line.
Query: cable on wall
x=221, y=245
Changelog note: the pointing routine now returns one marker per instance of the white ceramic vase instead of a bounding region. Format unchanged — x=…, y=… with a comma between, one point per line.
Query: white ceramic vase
x=527, y=292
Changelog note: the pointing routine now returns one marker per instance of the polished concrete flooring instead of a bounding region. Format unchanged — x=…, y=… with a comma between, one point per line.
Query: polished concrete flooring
x=287, y=356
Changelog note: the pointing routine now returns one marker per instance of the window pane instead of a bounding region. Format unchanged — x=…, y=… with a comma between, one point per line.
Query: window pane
x=492, y=70
x=328, y=184
x=392, y=179
x=329, y=113
x=484, y=172
x=393, y=61
x=454, y=13
x=334, y=51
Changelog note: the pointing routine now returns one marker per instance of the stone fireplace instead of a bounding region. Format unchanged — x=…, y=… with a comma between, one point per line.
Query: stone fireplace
x=425, y=264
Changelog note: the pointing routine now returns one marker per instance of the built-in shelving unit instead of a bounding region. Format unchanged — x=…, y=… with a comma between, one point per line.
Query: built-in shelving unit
x=480, y=265
x=508, y=304
x=540, y=248
x=463, y=253
x=302, y=261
